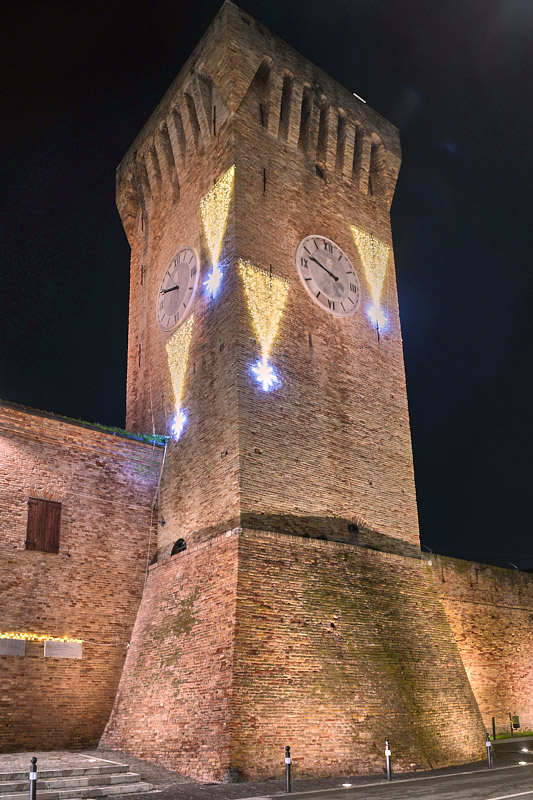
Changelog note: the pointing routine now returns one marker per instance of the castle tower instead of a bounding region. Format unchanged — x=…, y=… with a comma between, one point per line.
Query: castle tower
x=288, y=602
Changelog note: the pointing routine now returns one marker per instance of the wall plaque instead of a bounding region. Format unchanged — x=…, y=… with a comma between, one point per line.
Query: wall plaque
x=12, y=647
x=62, y=649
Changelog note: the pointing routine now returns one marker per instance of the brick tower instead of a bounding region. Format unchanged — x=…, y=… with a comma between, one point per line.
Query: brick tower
x=288, y=601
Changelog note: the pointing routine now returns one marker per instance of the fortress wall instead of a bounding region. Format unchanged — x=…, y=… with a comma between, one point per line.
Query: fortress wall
x=490, y=611
x=90, y=589
x=173, y=705
x=338, y=648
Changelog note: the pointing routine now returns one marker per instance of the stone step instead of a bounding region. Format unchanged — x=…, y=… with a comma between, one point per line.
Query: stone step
x=87, y=791
x=66, y=782
x=44, y=774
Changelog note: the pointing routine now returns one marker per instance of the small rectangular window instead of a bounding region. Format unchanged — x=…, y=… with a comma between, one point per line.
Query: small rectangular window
x=44, y=519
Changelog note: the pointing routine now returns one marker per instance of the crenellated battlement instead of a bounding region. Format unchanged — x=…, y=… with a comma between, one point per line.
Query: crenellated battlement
x=292, y=100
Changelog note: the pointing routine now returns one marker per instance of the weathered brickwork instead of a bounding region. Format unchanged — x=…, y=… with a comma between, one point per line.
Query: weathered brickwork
x=301, y=611
x=234, y=652
x=174, y=704
x=341, y=383
x=254, y=640
x=490, y=611
x=90, y=589
x=338, y=648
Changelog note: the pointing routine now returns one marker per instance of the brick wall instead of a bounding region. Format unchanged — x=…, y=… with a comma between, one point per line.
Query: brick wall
x=324, y=646
x=490, y=611
x=342, y=403
x=331, y=446
x=174, y=704
x=326, y=455
x=90, y=590
x=338, y=648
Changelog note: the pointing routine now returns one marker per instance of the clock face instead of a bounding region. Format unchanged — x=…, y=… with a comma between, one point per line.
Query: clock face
x=178, y=288
x=328, y=275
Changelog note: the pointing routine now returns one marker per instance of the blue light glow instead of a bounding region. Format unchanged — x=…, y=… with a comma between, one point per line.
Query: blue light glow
x=179, y=423
x=214, y=280
x=265, y=374
x=377, y=316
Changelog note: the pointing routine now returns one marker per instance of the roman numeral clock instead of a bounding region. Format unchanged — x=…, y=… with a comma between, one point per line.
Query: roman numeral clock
x=328, y=275
x=178, y=289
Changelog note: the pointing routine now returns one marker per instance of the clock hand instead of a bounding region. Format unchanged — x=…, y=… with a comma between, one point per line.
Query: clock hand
x=164, y=291
x=335, y=277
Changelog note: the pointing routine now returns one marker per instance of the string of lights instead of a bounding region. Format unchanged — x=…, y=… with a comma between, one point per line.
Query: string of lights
x=266, y=295
x=177, y=349
x=375, y=256
x=37, y=637
x=45, y=637
x=214, y=209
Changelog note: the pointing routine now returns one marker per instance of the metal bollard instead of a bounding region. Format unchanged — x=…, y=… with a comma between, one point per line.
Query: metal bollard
x=489, y=751
x=33, y=778
x=287, y=769
x=387, y=757
x=511, y=723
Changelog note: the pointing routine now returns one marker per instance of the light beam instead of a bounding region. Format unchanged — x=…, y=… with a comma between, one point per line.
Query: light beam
x=177, y=349
x=374, y=255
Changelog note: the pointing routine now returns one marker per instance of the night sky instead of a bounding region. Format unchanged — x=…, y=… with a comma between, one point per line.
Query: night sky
x=81, y=78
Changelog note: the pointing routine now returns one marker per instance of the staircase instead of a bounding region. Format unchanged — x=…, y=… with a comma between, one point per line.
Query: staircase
x=68, y=783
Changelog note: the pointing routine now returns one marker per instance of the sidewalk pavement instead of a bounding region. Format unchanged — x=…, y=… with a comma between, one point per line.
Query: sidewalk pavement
x=173, y=786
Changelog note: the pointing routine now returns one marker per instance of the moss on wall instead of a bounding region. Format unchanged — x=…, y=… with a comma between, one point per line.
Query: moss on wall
x=351, y=647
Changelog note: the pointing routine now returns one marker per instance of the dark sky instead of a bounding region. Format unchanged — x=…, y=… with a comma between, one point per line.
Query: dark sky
x=80, y=79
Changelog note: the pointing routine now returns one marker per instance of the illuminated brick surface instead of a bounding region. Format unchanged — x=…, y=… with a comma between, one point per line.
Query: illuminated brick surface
x=234, y=652
x=301, y=611
x=174, y=704
x=90, y=590
x=253, y=640
x=330, y=446
x=490, y=611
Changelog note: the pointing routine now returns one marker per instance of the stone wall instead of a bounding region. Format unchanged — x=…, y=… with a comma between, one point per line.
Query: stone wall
x=490, y=611
x=89, y=590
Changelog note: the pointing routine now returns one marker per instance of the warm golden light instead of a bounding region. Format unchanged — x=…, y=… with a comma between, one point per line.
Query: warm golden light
x=36, y=637
x=177, y=349
x=266, y=295
x=214, y=208
x=375, y=256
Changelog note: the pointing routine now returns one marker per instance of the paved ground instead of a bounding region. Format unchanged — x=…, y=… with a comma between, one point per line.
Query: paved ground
x=506, y=781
